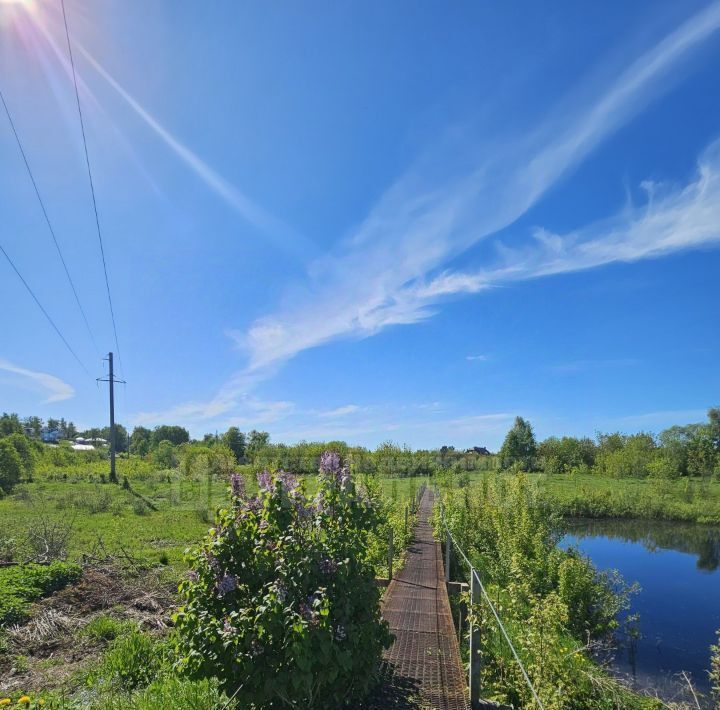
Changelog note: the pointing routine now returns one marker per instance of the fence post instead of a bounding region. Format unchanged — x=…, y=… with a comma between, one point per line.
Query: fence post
x=406, y=519
x=475, y=658
x=391, y=554
x=448, y=542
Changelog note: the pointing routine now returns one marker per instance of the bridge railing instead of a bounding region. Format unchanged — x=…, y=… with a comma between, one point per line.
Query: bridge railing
x=478, y=594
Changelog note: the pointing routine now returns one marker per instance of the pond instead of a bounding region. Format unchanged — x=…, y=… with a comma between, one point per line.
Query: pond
x=678, y=568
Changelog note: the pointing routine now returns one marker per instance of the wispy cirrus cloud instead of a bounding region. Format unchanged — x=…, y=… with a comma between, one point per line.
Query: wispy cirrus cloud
x=389, y=271
x=381, y=276
x=56, y=389
x=477, y=358
x=340, y=411
x=234, y=396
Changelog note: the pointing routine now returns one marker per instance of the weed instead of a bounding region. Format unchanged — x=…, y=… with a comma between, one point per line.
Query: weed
x=105, y=628
x=132, y=661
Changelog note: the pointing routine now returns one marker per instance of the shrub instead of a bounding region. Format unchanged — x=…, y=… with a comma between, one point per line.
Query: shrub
x=281, y=605
x=11, y=466
x=164, y=455
x=24, y=448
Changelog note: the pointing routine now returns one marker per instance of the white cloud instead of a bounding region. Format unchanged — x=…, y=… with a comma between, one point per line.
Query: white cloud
x=477, y=358
x=386, y=272
x=377, y=278
x=232, y=405
x=340, y=411
x=681, y=218
x=54, y=387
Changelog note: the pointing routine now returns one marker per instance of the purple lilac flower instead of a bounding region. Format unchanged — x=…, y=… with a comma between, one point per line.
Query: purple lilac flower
x=265, y=480
x=305, y=611
x=212, y=561
x=237, y=485
x=227, y=584
x=193, y=576
x=343, y=477
x=319, y=504
x=304, y=510
x=253, y=505
x=228, y=628
x=328, y=566
x=281, y=591
x=340, y=633
x=329, y=462
x=288, y=481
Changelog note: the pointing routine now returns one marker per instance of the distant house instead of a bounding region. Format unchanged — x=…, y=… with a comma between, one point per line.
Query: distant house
x=479, y=450
x=50, y=436
x=82, y=447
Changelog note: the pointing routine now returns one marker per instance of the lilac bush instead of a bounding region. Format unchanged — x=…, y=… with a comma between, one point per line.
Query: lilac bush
x=280, y=604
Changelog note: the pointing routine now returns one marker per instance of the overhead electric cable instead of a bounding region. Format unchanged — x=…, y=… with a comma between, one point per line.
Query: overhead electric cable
x=41, y=307
x=92, y=185
x=47, y=218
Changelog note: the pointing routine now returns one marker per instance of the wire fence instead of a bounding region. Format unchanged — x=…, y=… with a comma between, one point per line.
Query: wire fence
x=486, y=598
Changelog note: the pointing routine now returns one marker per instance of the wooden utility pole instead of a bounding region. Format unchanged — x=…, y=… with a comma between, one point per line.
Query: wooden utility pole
x=111, y=380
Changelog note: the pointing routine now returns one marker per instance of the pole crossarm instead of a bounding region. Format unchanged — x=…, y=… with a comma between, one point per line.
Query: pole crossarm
x=475, y=578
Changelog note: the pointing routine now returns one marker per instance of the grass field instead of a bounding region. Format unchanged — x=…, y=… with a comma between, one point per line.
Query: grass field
x=169, y=513
x=686, y=499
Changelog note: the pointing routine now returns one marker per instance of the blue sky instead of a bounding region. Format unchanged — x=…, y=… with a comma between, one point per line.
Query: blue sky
x=367, y=221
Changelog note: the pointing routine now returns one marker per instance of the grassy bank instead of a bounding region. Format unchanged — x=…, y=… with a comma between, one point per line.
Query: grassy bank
x=555, y=605
x=687, y=499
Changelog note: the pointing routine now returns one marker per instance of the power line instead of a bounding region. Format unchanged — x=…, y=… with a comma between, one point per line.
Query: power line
x=90, y=178
x=47, y=218
x=41, y=307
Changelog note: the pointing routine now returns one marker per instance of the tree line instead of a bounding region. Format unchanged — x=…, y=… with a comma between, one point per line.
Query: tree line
x=688, y=450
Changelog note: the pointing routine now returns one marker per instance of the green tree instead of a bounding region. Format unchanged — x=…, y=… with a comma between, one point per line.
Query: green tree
x=10, y=424
x=714, y=427
x=122, y=439
x=174, y=434
x=256, y=442
x=11, y=466
x=33, y=426
x=519, y=446
x=702, y=455
x=234, y=439
x=164, y=455
x=24, y=448
x=566, y=455
x=140, y=441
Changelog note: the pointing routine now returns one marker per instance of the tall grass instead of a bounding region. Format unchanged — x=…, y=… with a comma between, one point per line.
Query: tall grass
x=556, y=606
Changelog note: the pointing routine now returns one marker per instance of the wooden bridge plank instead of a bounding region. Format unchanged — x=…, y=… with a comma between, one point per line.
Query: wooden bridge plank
x=424, y=661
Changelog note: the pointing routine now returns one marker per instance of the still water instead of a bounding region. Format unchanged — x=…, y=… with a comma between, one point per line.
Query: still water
x=678, y=568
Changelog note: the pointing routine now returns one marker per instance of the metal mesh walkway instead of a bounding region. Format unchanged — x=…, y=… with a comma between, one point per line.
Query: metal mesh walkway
x=424, y=661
